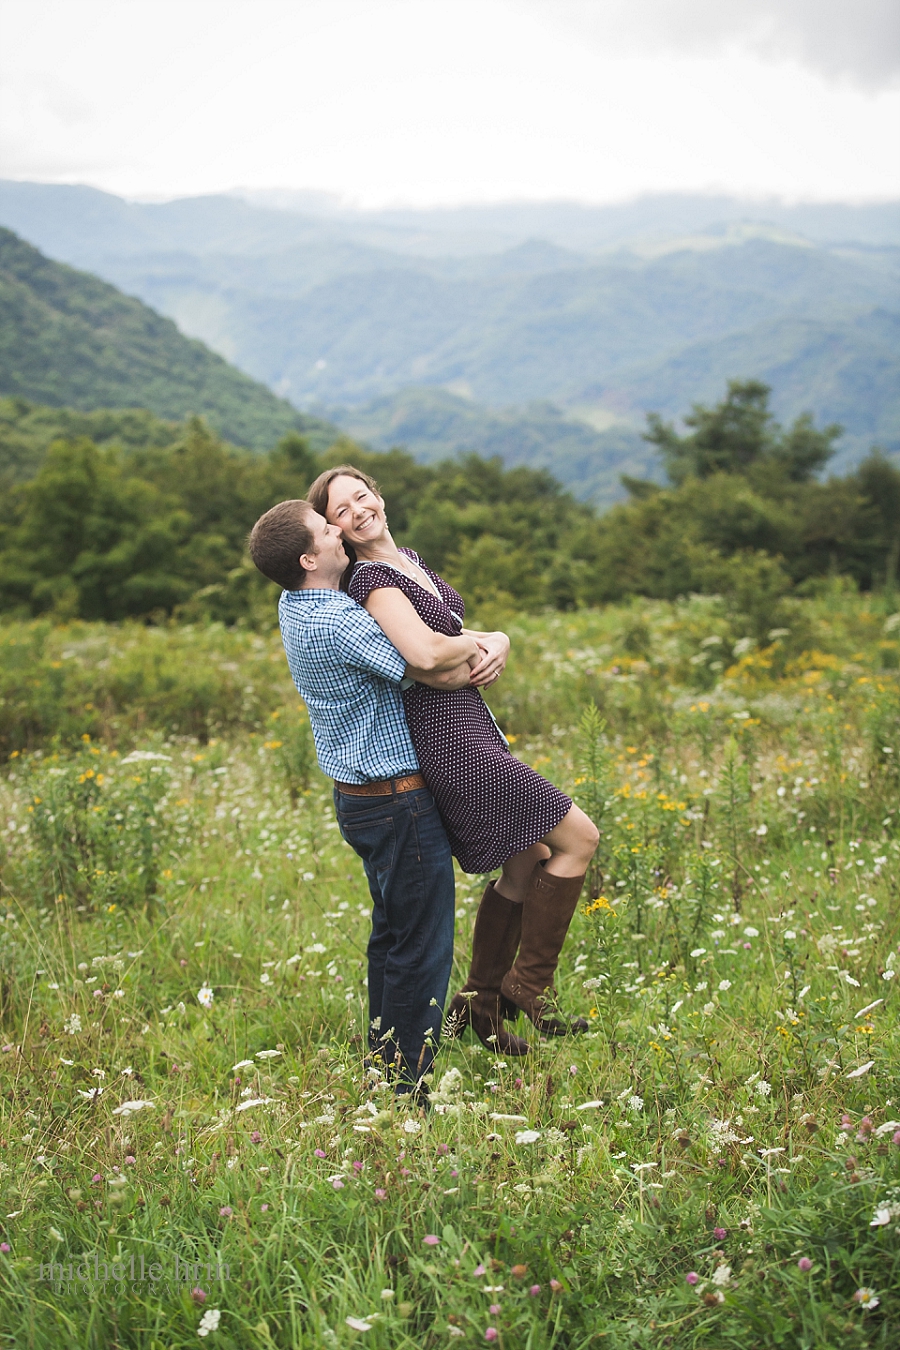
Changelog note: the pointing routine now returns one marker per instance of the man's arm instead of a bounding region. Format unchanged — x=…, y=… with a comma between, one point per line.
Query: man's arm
x=456, y=678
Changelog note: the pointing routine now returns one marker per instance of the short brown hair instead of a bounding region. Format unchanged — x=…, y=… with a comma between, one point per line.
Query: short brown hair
x=279, y=539
x=317, y=496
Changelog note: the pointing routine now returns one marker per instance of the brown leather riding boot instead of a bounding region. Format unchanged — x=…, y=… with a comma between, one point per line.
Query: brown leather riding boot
x=547, y=911
x=479, y=1003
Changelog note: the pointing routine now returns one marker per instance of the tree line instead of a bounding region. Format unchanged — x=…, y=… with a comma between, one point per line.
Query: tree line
x=151, y=523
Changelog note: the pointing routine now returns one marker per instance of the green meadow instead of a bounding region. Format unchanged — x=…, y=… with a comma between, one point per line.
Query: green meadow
x=192, y=1150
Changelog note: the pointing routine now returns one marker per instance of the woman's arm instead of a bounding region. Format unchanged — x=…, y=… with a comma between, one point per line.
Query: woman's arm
x=422, y=648
x=493, y=650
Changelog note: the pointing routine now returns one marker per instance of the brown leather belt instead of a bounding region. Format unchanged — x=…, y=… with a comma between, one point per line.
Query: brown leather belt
x=383, y=787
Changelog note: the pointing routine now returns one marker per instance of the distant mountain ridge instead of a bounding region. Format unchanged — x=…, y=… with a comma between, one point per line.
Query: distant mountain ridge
x=69, y=339
x=604, y=312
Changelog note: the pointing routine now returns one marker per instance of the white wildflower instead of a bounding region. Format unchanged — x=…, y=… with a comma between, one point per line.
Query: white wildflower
x=318, y=947
x=129, y=1108
x=635, y=1103
x=721, y=1275
x=55, y=1234
x=205, y=996
x=243, y=1064
x=254, y=1101
x=863, y=1069
x=724, y=985
x=268, y=1054
x=751, y=932
x=527, y=1136
x=698, y=951
x=209, y=1322
x=708, y=1009
x=265, y=978
x=358, y=1324
x=763, y=1088
x=411, y=1126
x=72, y=1024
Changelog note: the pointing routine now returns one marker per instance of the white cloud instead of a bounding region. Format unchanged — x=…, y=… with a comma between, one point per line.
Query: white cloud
x=445, y=101
x=859, y=39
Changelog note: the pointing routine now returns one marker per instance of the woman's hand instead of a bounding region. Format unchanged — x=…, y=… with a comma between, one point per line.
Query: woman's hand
x=493, y=649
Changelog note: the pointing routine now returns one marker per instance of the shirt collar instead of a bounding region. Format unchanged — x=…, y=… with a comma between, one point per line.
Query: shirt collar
x=317, y=593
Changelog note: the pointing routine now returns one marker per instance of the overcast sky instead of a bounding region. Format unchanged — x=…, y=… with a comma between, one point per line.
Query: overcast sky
x=445, y=101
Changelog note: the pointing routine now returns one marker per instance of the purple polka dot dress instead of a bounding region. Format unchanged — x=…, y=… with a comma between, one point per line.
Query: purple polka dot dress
x=491, y=803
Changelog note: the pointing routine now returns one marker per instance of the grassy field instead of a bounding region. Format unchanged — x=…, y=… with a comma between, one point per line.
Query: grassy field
x=189, y=1145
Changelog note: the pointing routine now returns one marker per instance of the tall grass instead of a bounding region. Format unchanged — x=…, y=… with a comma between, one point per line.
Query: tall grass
x=716, y=1163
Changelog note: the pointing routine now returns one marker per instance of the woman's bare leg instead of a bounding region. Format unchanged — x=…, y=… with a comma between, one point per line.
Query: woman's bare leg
x=513, y=881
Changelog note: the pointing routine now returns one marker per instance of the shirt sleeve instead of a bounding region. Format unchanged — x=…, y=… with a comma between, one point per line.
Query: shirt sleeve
x=364, y=645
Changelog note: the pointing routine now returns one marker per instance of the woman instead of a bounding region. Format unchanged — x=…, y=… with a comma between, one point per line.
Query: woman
x=497, y=811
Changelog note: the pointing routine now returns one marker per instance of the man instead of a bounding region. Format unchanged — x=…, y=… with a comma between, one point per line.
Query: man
x=350, y=677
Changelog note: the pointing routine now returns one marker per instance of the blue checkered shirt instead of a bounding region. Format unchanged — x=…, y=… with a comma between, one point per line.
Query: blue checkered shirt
x=349, y=675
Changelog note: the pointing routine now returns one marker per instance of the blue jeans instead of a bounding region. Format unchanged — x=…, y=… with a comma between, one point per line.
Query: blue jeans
x=406, y=856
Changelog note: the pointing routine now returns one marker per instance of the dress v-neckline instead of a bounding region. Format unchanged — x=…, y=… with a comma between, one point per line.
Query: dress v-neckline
x=432, y=590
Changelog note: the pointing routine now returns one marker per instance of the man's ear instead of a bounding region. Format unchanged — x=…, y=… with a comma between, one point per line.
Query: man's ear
x=308, y=562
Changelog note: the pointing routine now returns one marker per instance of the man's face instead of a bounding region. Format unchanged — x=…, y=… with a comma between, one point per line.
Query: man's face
x=327, y=556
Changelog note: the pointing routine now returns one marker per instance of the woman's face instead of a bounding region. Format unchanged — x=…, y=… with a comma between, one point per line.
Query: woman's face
x=356, y=510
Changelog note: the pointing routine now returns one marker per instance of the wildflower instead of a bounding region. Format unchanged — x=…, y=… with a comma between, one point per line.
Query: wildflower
x=380, y=1194
x=555, y=1286
x=209, y=1322
x=338, y=1184
x=198, y=1295
x=724, y=985
x=320, y=1153
x=804, y=1264
x=863, y=1069
x=721, y=1275
x=72, y=1024
x=708, y=1009
x=720, y=1234
x=494, y=1309
x=130, y=1159
x=518, y=1271
x=263, y=1208
x=5, y=1247
x=130, y=1107
x=226, y=1212
x=358, y=1324
x=255, y=1137
x=699, y=951
x=692, y=1277
x=635, y=1103
x=491, y=1334
x=387, y=1294
x=265, y=978
x=96, y=1177
x=411, y=1126
x=866, y=1299
x=431, y=1240
x=479, y=1270
x=268, y=1054
x=527, y=1136
x=242, y=1064
x=763, y=1089
x=205, y=996
x=534, y=1290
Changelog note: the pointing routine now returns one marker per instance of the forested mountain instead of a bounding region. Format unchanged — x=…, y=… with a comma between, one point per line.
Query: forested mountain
x=67, y=338
x=607, y=313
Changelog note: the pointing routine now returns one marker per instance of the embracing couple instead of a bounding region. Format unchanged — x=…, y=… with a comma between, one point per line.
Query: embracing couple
x=391, y=678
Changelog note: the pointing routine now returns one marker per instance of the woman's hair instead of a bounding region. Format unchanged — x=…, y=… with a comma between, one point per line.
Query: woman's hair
x=317, y=496
x=279, y=539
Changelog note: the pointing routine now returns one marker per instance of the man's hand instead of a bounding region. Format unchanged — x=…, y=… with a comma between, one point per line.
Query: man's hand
x=458, y=678
x=493, y=649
